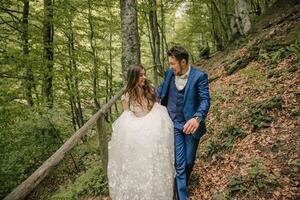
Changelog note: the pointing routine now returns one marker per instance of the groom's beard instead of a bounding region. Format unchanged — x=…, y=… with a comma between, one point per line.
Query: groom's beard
x=180, y=72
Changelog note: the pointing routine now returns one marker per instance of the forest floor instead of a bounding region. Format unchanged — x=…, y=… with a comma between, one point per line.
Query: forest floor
x=251, y=149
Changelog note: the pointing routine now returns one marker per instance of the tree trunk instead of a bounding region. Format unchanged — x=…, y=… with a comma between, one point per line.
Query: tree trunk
x=229, y=9
x=78, y=102
x=95, y=59
x=103, y=145
x=72, y=113
x=221, y=20
x=149, y=34
x=157, y=68
x=72, y=79
x=110, y=85
x=130, y=36
x=70, y=88
x=243, y=19
x=162, y=13
x=216, y=36
x=29, y=80
x=267, y=4
x=71, y=75
x=109, y=74
x=48, y=53
x=233, y=26
x=257, y=8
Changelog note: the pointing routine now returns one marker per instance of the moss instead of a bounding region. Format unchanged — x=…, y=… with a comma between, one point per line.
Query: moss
x=242, y=63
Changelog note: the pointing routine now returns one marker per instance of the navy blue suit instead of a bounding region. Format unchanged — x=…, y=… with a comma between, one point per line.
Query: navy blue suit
x=192, y=101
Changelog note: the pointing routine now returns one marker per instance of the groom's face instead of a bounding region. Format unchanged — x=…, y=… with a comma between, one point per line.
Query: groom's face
x=177, y=66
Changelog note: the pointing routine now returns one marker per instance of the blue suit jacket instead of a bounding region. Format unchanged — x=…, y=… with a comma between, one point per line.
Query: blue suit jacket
x=196, y=97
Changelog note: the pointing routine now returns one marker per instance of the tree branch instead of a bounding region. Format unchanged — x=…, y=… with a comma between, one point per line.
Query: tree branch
x=9, y=10
x=13, y=76
x=8, y=24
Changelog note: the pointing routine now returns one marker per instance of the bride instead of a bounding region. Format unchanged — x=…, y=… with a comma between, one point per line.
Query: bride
x=141, y=150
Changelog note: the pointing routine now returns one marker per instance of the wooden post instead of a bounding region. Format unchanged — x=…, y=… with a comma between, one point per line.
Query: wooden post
x=103, y=143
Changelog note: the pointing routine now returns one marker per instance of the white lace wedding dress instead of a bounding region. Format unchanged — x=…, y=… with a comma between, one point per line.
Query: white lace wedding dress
x=141, y=155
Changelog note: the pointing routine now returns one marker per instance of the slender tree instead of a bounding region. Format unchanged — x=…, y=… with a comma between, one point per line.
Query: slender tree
x=157, y=67
x=162, y=16
x=215, y=29
x=29, y=80
x=72, y=80
x=48, y=33
x=94, y=55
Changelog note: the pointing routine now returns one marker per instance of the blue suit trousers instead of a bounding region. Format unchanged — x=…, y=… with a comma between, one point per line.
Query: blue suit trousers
x=185, y=154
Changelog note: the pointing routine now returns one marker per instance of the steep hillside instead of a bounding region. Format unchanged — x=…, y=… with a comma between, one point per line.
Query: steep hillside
x=251, y=150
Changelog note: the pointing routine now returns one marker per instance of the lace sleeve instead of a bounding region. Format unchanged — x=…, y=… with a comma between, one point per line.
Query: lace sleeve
x=125, y=97
x=125, y=101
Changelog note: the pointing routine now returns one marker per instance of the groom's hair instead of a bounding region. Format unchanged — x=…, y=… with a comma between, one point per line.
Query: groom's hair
x=179, y=53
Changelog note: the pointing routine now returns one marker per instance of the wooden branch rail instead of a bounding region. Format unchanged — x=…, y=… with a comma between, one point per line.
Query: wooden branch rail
x=33, y=180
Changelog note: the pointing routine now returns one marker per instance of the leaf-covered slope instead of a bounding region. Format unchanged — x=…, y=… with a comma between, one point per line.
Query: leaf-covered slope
x=251, y=149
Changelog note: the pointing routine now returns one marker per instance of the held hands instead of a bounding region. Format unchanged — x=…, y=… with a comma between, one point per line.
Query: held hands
x=191, y=126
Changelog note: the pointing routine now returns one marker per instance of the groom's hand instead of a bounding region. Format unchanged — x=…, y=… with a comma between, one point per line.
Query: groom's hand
x=191, y=126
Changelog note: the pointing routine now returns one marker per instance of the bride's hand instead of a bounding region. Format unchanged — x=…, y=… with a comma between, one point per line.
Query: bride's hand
x=191, y=126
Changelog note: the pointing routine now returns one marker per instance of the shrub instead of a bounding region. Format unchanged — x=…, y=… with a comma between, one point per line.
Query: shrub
x=90, y=183
x=255, y=182
x=260, y=117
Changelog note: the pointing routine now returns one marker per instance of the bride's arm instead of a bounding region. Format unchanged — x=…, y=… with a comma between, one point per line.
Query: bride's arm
x=125, y=101
x=125, y=105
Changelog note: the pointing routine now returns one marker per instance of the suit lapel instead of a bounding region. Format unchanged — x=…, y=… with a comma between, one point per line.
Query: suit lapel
x=167, y=83
x=187, y=86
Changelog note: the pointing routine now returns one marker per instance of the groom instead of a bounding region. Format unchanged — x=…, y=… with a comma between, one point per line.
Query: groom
x=185, y=93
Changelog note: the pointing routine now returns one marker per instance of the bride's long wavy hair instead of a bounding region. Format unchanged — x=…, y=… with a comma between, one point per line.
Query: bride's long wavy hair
x=132, y=88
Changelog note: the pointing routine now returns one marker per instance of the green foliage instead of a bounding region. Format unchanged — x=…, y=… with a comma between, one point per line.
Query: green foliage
x=195, y=29
x=295, y=165
x=253, y=77
x=277, y=55
x=295, y=112
x=240, y=64
x=220, y=95
x=295, y=48
x=273, y=54
x=220, y=196
x=90, y=183
x=224, y=140
x=28, y=137
x=212, y=148
x=230, y=134
x=259, y=113
x=204, y=52
x=257, y=181
x=194, y=180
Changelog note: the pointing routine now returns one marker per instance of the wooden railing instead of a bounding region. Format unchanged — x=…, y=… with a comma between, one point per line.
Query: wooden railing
x=21, y=191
